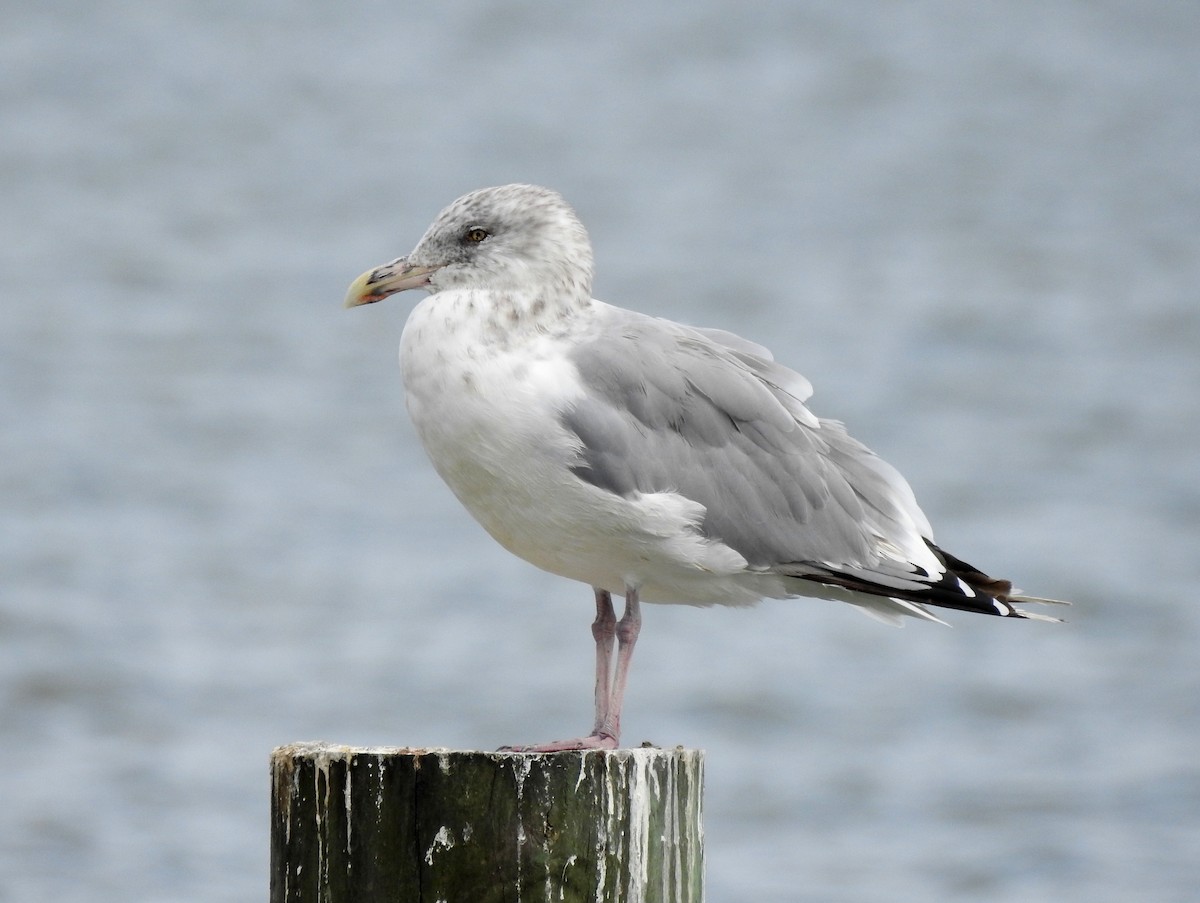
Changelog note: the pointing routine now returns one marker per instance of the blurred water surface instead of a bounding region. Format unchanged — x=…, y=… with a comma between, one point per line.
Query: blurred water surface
x=975, y=227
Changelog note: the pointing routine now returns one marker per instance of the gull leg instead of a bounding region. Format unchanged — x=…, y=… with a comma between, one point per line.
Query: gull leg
x=604, y=630
x=627, y=633
x=610, y=693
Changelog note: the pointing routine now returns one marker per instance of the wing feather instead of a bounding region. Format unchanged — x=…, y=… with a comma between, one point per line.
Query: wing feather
x=710, y=416
x=671, y=409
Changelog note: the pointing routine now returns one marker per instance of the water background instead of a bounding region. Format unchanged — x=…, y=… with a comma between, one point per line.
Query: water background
x=975, y=227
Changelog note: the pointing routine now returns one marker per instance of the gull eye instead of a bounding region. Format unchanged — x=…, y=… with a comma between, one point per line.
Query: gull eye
x=475, y=234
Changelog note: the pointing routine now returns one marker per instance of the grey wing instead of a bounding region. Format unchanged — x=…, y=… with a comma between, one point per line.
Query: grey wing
x=762, y=362
x=710, y=416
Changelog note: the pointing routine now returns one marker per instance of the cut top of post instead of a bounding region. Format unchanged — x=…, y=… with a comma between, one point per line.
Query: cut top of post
x=367, y=823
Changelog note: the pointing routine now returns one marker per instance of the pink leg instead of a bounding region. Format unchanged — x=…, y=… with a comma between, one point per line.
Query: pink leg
x=627, y=633
x=604, y=630
x=610, y=694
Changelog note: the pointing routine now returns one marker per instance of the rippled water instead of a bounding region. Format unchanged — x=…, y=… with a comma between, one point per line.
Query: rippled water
x=976, y=228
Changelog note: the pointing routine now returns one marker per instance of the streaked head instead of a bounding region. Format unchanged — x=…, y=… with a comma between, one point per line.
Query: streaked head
x=504, y=238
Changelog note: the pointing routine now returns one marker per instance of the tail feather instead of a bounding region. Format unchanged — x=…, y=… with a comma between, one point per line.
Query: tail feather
x=961, y=587
x=1018, y=596
x=1035, y=600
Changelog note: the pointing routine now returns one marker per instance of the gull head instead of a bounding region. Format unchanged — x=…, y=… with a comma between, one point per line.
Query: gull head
x=508, y=238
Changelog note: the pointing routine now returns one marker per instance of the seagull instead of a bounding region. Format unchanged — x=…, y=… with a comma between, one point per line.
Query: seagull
x=642, y=457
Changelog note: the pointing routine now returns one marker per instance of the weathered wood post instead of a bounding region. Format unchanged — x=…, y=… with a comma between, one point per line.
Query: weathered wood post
x=427, y=825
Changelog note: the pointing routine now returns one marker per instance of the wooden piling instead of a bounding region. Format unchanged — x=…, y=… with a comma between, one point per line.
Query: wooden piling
x=446, y=826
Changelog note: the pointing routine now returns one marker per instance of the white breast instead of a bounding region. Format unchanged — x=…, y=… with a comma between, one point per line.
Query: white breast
x=485, y=405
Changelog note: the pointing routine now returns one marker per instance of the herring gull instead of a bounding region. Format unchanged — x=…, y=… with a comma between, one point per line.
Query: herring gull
x=662, y=462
